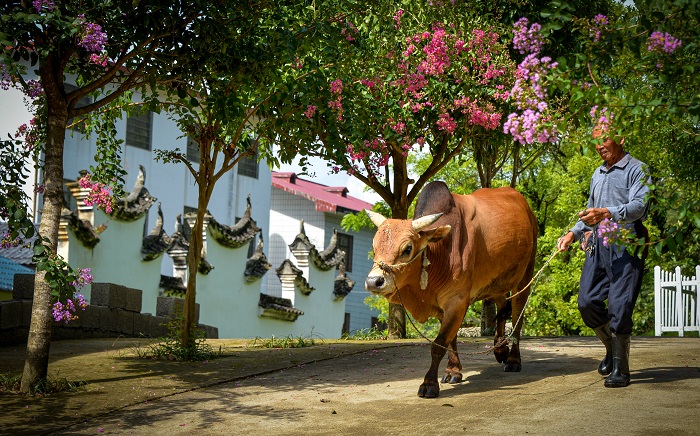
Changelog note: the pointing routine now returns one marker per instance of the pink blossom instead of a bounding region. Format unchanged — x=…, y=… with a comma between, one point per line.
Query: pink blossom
x=310, y=111
x=337, y=86
x=447, y=123
x=663, y=43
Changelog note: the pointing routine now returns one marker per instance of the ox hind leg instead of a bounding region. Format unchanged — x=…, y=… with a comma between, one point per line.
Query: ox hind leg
x=500, y=344
x=449, y=325
x=513, y=364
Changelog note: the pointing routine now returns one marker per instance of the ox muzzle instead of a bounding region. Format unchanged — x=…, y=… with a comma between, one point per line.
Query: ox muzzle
x=379, y=282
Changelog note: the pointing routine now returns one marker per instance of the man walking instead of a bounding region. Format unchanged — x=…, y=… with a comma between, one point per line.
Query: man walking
x=618, y=193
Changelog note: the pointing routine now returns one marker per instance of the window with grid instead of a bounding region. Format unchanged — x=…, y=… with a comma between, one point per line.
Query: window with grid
x=138, y=129
x=248, y=166
x=78, y=127
x=345, y=244
x=192, y=150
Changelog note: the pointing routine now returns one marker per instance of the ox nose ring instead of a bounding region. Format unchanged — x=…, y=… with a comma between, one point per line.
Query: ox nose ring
x=374, y=282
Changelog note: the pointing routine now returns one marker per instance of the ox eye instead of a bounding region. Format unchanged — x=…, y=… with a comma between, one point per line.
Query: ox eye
x=407, y=251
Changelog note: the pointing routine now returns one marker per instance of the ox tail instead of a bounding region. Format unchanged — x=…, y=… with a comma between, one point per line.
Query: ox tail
x=506, y=312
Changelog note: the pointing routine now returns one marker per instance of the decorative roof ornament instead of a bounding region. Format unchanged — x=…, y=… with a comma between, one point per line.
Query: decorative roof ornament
x=172, y=286
x=156, y=242
x=329, y=258
x=82, y=229
x=278, y=308
x=136, y=204
x=301, y=242
x=288, y=269
x=237, y=235
x=180, y=245
x=342, y=284
x=257, y=265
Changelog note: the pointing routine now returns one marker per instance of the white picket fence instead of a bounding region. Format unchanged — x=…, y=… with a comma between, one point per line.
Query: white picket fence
x=676, y=301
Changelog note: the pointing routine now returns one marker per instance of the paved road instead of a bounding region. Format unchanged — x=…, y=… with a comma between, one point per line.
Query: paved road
x=372, y=390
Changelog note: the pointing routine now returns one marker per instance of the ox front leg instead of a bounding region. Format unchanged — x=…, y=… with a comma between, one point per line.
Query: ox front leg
x=448, y=335
x=453, y=372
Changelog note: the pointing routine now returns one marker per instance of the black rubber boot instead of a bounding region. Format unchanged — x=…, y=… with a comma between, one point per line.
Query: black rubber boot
x=603, y=333
x=620, y=375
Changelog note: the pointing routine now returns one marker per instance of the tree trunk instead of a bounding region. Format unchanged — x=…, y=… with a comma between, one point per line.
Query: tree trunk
x=194, y=256
x=396, y=328
x=36, y=363
x=488, y=318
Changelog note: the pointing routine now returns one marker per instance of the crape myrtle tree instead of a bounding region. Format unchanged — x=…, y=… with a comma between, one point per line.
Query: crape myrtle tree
x=632, y=68
x=410, y=77
x=108, y=48
x=216, y=101
x=635, y=69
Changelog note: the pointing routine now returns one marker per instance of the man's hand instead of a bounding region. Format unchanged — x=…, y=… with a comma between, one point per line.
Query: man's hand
x=594, y=215
x=564, y=242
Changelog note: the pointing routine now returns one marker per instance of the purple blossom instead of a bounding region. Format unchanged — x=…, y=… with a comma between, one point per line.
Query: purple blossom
x=608, y=230
x=663, y=43
x=599, y=21
x=48, y=4
x=8, y=242
x=34, y=89
x=84, y=278
x=5, y=78
x=93, y=38
x=527, y=40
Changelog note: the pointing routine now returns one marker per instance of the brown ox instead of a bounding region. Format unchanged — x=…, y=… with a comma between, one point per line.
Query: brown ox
x=481, y=247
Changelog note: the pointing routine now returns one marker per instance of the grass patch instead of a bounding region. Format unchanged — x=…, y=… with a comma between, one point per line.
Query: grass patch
x=367, y=334
x=10, y=384
x=169, y=347
x=289, y=341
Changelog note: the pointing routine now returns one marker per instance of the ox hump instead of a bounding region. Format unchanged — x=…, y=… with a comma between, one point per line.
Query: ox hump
x=434, y=198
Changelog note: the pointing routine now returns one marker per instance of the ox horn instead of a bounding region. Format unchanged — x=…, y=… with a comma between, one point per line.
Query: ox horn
x=424, y=221
x=376, y=218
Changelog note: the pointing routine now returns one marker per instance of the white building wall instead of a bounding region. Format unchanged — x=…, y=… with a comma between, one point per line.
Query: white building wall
x=289, y=210
x=360, y=314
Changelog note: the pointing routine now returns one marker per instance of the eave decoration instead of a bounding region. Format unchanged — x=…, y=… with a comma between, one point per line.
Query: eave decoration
x=257, y=265
x=278, y=308
x=156, y=242
x=288, y=268
x=136, y=204
x=82, y=229
x=237, y=235
x=342, y=284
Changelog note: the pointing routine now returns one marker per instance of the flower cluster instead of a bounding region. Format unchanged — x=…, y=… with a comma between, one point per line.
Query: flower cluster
x=310, y=111
x=663, y=43
x=30, y=134
x=349, y=31
x=99, y=194
x=83, y=278
x=34, y=89
x=8, y=242
x=66, y=312
x=527, y=40
x=5, y=78
x=92, y=38
x=397, y=18
x=528, y=93
x=599, y=22
x=337, y=103
x=40, y=4
x=602, y=118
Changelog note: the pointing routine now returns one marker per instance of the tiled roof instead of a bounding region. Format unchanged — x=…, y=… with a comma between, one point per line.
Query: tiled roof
x=326, y=198
x=21, y=254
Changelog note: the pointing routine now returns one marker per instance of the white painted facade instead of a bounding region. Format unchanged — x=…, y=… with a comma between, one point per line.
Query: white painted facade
x=287, y=212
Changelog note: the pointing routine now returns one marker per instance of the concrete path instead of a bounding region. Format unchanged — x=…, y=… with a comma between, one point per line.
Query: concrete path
x=367, y=388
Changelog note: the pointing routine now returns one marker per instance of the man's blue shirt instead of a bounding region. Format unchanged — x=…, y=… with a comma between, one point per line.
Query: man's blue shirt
x=622, y=190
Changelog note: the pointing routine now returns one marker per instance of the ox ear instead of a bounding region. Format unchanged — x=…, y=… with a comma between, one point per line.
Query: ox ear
x=424, y=221
x=376, y=218
x=435, y=235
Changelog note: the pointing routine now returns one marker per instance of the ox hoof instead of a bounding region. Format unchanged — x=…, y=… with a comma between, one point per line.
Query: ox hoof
x=452, y=377
x=512, y=367
x=501, y=354
x=429, y=391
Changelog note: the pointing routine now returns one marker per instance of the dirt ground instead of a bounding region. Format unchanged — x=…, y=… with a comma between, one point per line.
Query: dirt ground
x=359, y=388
